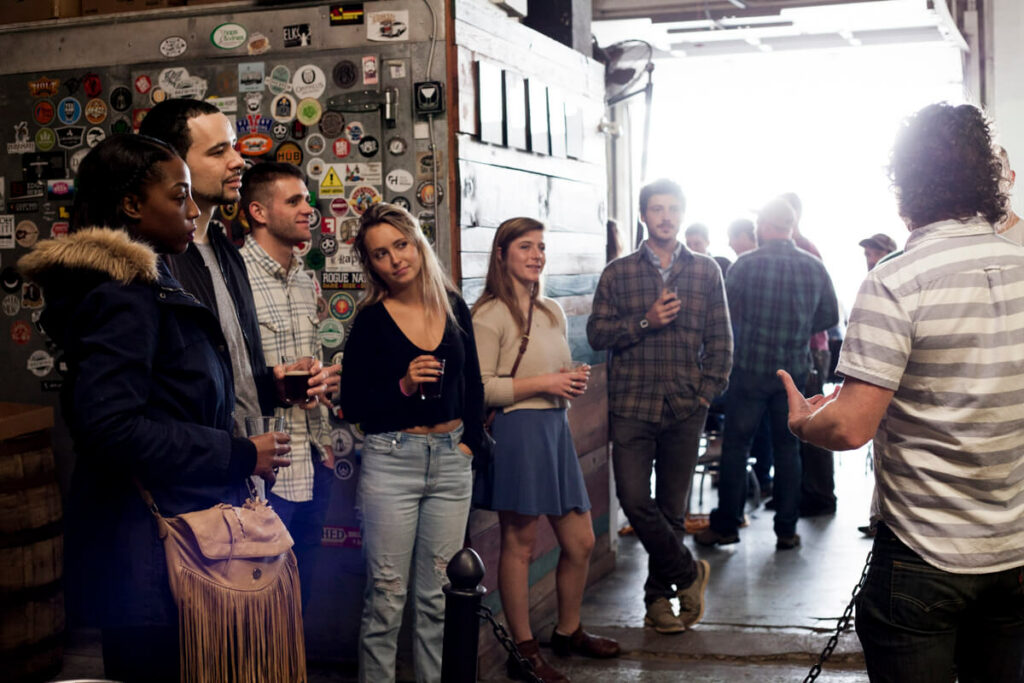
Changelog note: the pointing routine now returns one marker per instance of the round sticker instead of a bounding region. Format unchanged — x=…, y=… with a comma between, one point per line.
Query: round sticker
x=402, y=202
x=342, y=306
x=157, y=95
x=229, y=36
x=328, y=245
x=40, y=363
x=339, y=206
x=315, y=143
x=289, y=153
x=282, y=108
x=315, y=218
x=95, y=111
x=173, y=46
x=10, y=279
x=398, y=180
x=309, y=111
x=397, y=146
x=302, y=248
x=95, y=136
x=354, y=131
x=342, y=147
x=279, y=80
x=315, y=168
x=120, y=126
x=332, y=124
x=11, y=305
x=45, y=139
x=425, y=194
x=309, y=81
x=344, y=469
x=345, y=74
x=121, y=98
x=21, y=332
x=258, y=43
x=26, y=234
x=344, y=444
x=426, y=221
x=362, y=197
x=348, y=230
x=43, y=112
x=315, y=260
x=330, y=331
x=368, y=146
x=337, y=357
x=69, y=111
x=279, y=131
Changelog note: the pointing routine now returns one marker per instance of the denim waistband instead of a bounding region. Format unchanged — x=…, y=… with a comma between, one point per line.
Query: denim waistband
x=452, y=438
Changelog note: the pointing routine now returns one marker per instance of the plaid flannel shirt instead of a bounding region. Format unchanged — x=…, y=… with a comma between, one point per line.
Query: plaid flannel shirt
x=778, y=296
x=286, y=310
x=688, y=359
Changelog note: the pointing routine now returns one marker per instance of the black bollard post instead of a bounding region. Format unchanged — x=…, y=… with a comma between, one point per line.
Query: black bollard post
x=461, y=619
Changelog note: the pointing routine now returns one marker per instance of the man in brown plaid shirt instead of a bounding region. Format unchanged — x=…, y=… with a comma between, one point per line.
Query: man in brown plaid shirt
x=661, y=312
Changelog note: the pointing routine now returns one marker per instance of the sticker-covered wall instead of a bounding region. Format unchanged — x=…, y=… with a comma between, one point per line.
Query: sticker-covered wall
x=351, y=94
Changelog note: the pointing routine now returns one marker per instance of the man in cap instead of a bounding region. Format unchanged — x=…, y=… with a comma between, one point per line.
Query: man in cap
x=877, y=247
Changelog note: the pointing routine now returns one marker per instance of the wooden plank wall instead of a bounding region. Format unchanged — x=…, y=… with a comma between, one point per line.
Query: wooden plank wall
x=570, y=195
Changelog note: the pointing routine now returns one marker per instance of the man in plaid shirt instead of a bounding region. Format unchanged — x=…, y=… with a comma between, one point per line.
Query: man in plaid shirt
x=276, y=203
x=779, y=295
x=661, y=313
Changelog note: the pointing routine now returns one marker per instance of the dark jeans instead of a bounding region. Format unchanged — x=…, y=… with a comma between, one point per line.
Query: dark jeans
x=750, y=396
x=817, y=490
x=919, y=624
x=670, y=448
x=305, y=522
x=761, y=452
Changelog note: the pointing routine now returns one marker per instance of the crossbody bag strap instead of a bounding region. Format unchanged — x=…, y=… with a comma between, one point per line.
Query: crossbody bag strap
x=524, y=342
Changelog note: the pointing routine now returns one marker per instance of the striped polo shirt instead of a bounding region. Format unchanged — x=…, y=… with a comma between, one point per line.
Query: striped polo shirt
x=943, y=327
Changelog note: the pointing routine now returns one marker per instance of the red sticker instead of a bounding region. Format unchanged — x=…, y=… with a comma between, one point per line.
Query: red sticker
x=21, y=332
x=43, y=112
x=143, y=84
x=342, y=148
x=255, y=144
x=339, y=206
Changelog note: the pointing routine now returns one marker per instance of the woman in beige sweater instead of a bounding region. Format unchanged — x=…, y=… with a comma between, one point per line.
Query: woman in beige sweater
x=535, y=470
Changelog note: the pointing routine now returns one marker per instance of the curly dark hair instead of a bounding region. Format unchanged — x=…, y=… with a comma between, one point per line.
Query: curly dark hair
x=943, y=166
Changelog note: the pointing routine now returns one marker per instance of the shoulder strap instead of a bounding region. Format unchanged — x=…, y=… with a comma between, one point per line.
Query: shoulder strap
x=524, y=342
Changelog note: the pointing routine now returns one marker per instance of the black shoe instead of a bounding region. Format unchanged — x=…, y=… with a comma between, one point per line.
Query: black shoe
x=769, y=504
x=817, y=510
x=787, y=542
x=868, y=530
x=710, y=537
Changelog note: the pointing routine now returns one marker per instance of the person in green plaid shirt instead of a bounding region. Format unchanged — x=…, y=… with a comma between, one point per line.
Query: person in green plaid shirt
x=276, y=204
x=779, y=295
x=661, y=313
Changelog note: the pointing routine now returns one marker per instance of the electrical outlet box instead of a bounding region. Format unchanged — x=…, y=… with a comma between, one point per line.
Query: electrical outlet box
x=428, y=98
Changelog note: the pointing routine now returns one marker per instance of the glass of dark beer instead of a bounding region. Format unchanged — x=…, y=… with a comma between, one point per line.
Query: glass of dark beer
x=297, y=372
x=432, y=390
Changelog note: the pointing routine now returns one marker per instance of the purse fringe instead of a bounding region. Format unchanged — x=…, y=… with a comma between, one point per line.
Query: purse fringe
x=241, y=636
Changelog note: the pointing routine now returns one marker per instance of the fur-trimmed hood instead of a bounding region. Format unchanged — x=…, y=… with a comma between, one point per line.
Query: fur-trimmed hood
x=71, y=267
x=104, y=250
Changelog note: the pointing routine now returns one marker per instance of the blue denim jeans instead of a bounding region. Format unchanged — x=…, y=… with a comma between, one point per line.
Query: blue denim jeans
x=920, y=624
x=669, y=448
x=413, y=499
x=749, y=396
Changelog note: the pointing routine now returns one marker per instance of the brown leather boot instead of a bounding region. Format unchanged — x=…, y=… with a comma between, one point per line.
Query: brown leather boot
x=530, y=650
x=583, y=643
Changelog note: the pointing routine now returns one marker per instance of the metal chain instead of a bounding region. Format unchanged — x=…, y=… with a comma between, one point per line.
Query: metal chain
x=842, y=627
x=506, y=642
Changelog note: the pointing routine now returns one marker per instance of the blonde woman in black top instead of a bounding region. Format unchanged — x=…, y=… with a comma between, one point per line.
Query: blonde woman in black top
x=411, y=379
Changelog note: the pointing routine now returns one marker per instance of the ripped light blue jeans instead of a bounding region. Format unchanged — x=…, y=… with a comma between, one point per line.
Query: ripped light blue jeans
x=414, y=492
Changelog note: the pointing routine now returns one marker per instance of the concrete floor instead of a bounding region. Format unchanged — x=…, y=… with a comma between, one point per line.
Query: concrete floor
x=768, y=613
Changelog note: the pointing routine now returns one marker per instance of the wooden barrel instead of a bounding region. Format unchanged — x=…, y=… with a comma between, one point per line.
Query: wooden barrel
x=31, y=547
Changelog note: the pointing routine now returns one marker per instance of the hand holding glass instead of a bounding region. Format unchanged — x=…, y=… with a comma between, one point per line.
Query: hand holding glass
x=297, y=373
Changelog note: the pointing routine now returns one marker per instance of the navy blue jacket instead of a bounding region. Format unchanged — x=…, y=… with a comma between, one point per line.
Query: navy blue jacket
x=148, y=395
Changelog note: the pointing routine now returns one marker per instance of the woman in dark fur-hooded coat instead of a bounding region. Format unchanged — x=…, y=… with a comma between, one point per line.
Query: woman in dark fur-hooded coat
x=148, y=393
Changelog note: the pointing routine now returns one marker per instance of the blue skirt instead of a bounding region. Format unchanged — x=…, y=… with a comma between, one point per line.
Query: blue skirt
x=535, y=470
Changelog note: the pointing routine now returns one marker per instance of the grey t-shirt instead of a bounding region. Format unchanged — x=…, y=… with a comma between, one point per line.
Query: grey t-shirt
x=246, y=398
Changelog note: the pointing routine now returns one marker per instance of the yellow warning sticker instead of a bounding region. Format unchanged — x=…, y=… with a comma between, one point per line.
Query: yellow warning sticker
x=331, y=184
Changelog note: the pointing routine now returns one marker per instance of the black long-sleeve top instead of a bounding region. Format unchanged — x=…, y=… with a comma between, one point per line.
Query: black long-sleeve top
x=377, y=356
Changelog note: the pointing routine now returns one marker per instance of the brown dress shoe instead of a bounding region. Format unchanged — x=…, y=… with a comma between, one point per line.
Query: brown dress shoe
x=530, y=650
x=583, y=643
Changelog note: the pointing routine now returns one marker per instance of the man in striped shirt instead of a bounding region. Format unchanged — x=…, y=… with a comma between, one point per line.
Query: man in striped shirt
x=276, y=204
x=933, y=362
